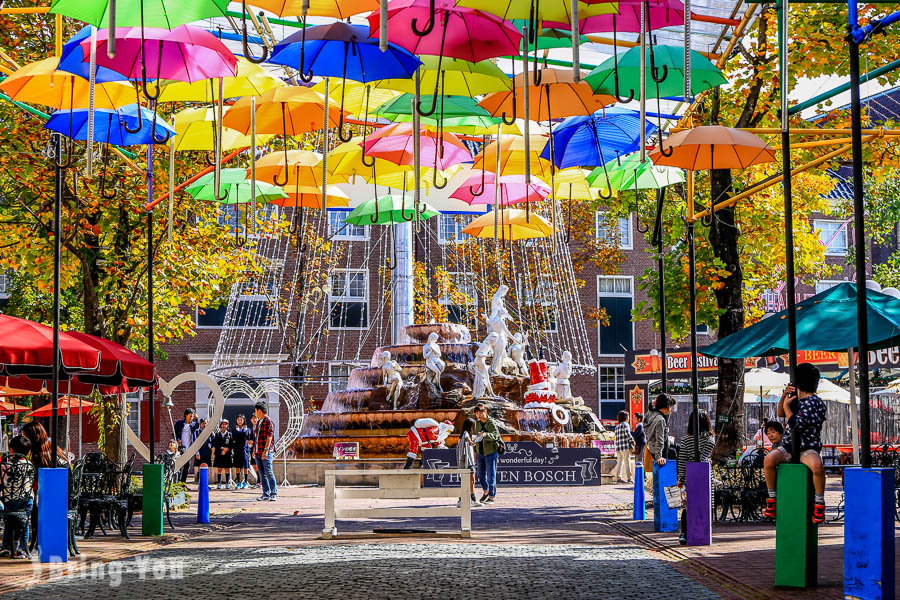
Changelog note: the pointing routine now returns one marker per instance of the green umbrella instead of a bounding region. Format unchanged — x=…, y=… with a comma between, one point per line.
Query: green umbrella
x=166, y=14
x=388, y=210
x=237, y=186
x=825, y=322
x=550, y=38
x=628, y=173
x=669, y=63
x=461, y=114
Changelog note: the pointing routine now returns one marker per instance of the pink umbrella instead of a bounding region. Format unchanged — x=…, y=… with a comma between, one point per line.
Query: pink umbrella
x=395, y=143
x=480, y=189
x=662, y=13
x=185, y=53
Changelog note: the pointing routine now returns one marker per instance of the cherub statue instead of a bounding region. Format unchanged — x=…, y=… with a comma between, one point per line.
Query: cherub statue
x=561, y=372
x=434, y=366
x=479, y=366
x=496, y=323
x=517, y=353
x=390, y=371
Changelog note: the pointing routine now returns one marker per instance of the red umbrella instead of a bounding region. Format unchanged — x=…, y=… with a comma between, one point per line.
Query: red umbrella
x=71, y=387
x=27, y=349
x=119, y=366
x=8, y=408
x=66, y=404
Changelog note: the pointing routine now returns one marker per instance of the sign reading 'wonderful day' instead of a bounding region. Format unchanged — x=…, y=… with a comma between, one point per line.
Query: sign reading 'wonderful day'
x=525, y=464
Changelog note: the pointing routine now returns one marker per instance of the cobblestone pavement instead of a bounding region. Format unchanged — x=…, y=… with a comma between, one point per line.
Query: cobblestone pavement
x=391, y=570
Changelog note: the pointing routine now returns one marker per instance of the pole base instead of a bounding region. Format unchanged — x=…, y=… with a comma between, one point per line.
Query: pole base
x=664, y=517
x=796, y=536
x=697, y=483
x=152, y=512
x=869, y=536
x=53, y=516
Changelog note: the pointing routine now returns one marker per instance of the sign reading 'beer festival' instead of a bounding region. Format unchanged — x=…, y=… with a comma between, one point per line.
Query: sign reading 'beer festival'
x=525, y=464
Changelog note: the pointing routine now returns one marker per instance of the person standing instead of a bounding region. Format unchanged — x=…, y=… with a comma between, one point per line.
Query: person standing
x=640, y=440
x=222, y=446
x=657, y=430
x=624, y=449
x=254, y=421
x=240, y=435
x=24, y=502
x=465, y=456
x=204, y=454
x=487, y=436
x=686, y=455
x=186, y=431
x=263, y=451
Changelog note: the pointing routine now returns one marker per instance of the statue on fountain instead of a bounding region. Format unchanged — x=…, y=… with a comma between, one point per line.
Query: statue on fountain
x=434, y=365
x=517, y=353
x=390, y=371
x=496, y=323
x=479, y=366
x=561, y=372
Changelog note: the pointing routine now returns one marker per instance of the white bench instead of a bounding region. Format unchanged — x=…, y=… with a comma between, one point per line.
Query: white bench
x=398, y=484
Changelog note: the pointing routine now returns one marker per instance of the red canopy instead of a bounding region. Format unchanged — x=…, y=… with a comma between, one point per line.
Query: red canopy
x=66, y=403
x=8, y=408
x=67, y=387
x=119, y=366
x=27, y=349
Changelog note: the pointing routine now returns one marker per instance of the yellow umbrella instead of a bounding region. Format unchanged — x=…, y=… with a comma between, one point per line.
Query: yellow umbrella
x=40, y=83
x=348, y=160
x=355, y=101
x=514, y=223
x=572, y=184
x=249, y=80
x=291, y=168
x=512, y=157
x=195, y=129
x=336, y=9
x=287, y=110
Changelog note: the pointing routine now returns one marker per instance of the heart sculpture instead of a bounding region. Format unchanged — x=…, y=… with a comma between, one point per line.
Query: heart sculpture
x=259, y=390
x=167, y=387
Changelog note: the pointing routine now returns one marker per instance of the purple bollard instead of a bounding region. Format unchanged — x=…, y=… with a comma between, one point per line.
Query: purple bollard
x=697, y=482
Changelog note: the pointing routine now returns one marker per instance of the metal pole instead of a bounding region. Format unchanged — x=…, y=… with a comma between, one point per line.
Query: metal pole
x=57, y=250
x=788, y=210
x=662, y=311
x=854, y=415
x=692, y=295
x=862, y=320
x=526, y=109
x=643, y=91
x=150, y=298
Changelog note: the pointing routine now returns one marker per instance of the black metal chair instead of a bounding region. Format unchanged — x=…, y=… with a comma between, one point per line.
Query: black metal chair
x=170, y=477
x=74, y=497
x=16, y=493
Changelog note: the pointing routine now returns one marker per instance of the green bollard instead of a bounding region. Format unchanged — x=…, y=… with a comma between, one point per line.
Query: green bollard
x=152, y=512
x=796, y=536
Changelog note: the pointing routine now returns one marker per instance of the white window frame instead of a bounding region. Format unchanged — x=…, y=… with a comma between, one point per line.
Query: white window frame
x=333, y=299
x=4, y=286
x=270, y=298
x=458, y=226
x=599, y=230
x=615, y=295
x=828, y=283
x=134, y=400
x=350, y=233
x=842, y=227
x=350, y=366
x=619, y=371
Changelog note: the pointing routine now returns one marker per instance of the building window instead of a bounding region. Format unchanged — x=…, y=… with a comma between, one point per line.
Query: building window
x=832, y=235
x=338, y=376
x=539, y=304
x=134, y=411
x=339, y=230
x=825, y=285
x=620, y=235
x=460, y=298
x=614, y=295
x=702, y=329
x=450, y=229
x=611, y=382
x=236, y=221
x=252, y=309
x=5, y=285
x=349, y=299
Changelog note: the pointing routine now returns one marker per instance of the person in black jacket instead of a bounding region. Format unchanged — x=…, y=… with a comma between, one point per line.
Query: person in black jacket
x=223, y=444
x=240, y=435
x=186, y=431
x=204, y=454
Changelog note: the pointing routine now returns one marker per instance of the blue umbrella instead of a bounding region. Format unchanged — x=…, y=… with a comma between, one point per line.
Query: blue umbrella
x=594, y=140
x=345, y=51
x=73, y=60
x=110, y=126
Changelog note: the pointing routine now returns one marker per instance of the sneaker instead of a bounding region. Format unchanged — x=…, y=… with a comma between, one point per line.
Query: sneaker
x=263, y=498
x=483, y=498
x=257, y=485
x=477, y=503
x=490, y=500
x=770, y=509
x=219, y=486
x=243, y=485
x=273, y=498
x=459, y=504
x=682, y=539
x=818, y=516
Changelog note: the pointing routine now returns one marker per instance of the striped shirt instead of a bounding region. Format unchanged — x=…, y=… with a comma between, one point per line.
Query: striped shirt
x=624, y=441
x=686, y=451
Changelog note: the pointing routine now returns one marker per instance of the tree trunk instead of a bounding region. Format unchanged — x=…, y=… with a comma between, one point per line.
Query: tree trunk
x=723, y=236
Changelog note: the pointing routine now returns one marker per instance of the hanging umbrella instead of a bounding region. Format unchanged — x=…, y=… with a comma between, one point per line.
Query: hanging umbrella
x=73, y=60
x=296, y=167
x=512, y=190
x=238, y=189
x=459, y=114
x=826, y=322
x=27, y=349
x=557, y=96
x=572, y=184
x=119, y=366
x=544, y=10
x=588, y=141
x=249, y=80
x=336, y=9
x=660, y=14
x=628, y=173
x=514, y=223
x=456, y=77
x=360, y=99
x=345, y=51
x=11, y=408
x=41, y=83
x=288, y=110
x=112, y=126
x=395, y=143
x=140, y=13
x=349, y=161
x=388, y=210
x=553, y=36
x=712, y=147
x=195, y=129
x=67, y=405
x=512, y=157
x=311, y=197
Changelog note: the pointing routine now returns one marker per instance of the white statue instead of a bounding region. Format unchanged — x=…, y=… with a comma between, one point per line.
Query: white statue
x=434, y=366
x=561, y=372
x=496, y=323
x=517, y=353
x=479, y=367
x=390, y=371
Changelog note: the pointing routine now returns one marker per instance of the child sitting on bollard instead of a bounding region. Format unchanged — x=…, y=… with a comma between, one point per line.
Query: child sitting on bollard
x=805, y=413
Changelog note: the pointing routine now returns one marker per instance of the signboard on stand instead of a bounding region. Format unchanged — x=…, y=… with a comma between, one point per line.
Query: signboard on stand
x=525, y=464
x=346, y=450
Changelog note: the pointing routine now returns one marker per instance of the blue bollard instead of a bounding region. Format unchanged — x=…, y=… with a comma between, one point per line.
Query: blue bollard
x=869, y=550
x=664, y=518
x=698, y=489
x=203, y=496
x=53, y=515
x=640, y=505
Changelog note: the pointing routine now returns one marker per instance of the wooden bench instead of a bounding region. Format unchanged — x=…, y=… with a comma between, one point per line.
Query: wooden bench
x=397, y=484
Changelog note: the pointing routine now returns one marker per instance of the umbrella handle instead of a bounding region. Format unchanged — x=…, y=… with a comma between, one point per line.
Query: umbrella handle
x=435, y=181
x=662, y=150
x=144, y=86
x=275, y=179
x=239, y=241
x=503, y=114
x=305, y=76
x=365, y=133
x=340, y=129
x=609, y=194
x=483, y=162
x=403, y=203
x=437, y=83
x=140, y=122
x=157, y=140
x=103, y=193
x=616, y=71
x=392, y=261
x=244, y=41
x=301, y=247
x=374, y=217
x=428, y=26
x=657, y=225
x=209, y=161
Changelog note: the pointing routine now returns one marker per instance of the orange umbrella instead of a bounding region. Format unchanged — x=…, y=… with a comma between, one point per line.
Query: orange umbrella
x=515, y=224
x=309, y=196
x=67, y=404
x=336, y=9
x=8, y=408
x=712, y=147
x=40, y=83
x=296, y=167
x=512, y=157
x=557, y=96
x=286, y=110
